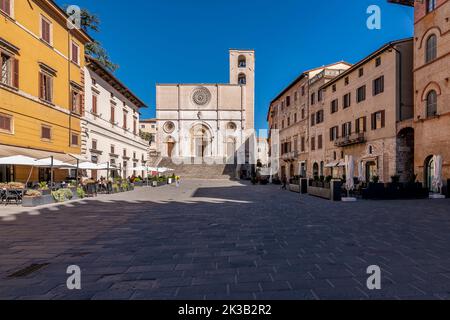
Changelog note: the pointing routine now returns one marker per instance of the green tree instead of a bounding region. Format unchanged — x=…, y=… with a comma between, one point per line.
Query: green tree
x=91, y=23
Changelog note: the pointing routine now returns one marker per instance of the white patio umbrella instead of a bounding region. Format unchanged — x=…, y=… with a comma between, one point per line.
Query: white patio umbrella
x=164, y=170
x=437, y=180
x=49, y=162
x=350, y=172
x=18, y=160
x=360, y=171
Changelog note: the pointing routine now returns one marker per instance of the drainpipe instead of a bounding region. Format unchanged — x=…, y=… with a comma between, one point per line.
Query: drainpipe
x=400, y=81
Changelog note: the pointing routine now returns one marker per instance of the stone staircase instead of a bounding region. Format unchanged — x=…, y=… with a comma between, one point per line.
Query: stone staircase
x=200, y=169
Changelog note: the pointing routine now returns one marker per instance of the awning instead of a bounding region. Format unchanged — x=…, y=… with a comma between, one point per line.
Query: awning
x=331, y=164
x=95, y=166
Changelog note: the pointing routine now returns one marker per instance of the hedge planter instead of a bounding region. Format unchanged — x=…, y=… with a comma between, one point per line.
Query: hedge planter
x=332, y=193
x=45, y=192
x=30, y=202
x=294, y=187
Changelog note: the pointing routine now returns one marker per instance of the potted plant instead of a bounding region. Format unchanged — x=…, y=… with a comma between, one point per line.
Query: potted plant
x=80, y=193
x=43, y=188
x=32, y=198
x=62, y=195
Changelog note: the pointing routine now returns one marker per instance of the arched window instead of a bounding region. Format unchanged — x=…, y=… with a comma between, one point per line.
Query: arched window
x=242, y=62
x=431, y=103
x=431, y=5
x=315, y=170
x=242, y=79
x=431, y=48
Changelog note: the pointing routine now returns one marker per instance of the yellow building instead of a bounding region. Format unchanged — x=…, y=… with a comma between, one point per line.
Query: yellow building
x=41, y=84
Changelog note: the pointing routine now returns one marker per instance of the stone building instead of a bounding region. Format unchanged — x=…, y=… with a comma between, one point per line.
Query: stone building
x=289, y=118
x=432, y=87
x=110, y=125
x=368, y=114
x=210, y=121
x=148, y=128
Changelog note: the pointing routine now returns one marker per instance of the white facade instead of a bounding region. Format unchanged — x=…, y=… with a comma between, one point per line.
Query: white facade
x=106, y=138
x=208, y=120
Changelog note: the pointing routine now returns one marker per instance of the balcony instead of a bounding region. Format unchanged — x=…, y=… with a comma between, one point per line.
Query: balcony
x=352, y=139
x=290, y=156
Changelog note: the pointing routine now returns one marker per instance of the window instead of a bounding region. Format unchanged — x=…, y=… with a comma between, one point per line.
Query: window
x=334, y=88
x=431, y=48
x=378, y=85
x=45, y=87
x=282, y=124
x=378, y=120
x=360, y=125
x=76, y=101
x=113, y=116
x=313, y=119
x=94, y=144
x=346, y=129
x=134, y=155
x=124, y=152
x=289, y=121
x=74, y=140
x=46, y=133
x=125, y=115
x=113, y=149
x=431, y=5
x=378, y=62
x=242, y=79
x=303, y=113
x=46, y=30
x=361, y=94
x=334, y=133
x=361, y=72
x=347, y=81
x=134, y=126
x=5, y=123
x=319, y=142
x=347, y=100
x=10, y=70
x=295, y=96
x=303, y=91
x=288, y=101
x=75, y=53
x=320, y=95
x=313, y=98
x=94, y=104
x=319, y=117
x=313, y=143
x=334, y=105
x=431, y=104
x=5, y=6
x=302, y=144
x=242, y=62
x=295, y=117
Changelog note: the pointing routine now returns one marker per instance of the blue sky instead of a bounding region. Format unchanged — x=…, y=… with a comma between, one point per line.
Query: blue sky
x=187, y=41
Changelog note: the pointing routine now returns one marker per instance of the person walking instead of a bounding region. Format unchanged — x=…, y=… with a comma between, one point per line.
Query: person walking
x=283, y=183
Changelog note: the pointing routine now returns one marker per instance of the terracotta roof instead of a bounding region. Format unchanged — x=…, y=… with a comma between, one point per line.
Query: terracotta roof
x=106, y=75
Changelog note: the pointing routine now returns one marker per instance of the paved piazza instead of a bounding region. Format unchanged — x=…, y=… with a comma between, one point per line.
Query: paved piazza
x=226, y=240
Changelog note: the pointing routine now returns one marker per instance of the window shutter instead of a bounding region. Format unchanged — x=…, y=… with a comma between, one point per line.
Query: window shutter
x=374, y=120
x=357, y=125
x=383, y=118
x=331, y=134
x=41, y=86
x=364, y=124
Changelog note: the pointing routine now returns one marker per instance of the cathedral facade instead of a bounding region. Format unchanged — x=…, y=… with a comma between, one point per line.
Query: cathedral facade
x=208, y=121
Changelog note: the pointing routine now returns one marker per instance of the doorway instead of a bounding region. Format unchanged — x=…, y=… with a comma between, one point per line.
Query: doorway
x=371, y=170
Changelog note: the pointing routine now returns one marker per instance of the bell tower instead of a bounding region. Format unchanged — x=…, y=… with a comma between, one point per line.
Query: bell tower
x=242, y=72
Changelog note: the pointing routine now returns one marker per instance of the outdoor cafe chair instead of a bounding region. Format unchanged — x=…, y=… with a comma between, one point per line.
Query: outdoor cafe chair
x=14, y=196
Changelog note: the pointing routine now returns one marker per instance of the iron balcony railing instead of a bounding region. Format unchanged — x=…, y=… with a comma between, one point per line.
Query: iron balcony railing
x=354, y=138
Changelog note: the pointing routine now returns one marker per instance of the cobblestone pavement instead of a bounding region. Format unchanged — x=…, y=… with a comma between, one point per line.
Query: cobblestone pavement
x=226, y=240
